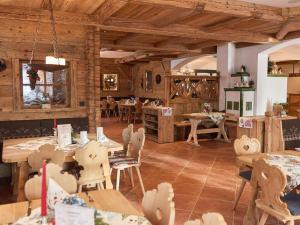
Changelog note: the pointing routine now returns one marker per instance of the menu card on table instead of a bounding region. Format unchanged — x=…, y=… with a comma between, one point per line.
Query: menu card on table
x=73, y=215
x=64, y=136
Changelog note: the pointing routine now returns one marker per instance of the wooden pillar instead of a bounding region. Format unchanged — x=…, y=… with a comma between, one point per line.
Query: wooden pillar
x=97, y=74
x=93, y=81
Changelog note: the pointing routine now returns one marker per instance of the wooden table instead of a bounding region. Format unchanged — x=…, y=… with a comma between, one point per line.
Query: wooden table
x=195, y=119
x=247, y=160
x=20, y=165
x=129, y=108
x=107, y=200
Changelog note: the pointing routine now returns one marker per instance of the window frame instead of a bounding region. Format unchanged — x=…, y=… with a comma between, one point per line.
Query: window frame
x=67, y=86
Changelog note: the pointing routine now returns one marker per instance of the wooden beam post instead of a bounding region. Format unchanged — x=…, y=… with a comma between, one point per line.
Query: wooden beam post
x=93, y=81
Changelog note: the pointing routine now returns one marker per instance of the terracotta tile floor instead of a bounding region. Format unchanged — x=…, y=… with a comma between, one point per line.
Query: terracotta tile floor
x=204, y=178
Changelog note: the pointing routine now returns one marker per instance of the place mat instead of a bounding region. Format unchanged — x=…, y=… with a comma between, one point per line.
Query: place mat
x=290, y=165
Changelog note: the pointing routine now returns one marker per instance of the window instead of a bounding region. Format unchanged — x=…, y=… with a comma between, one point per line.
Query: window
x=45, y=88
x=248, y=106
x=229, y=105
x=236, y=106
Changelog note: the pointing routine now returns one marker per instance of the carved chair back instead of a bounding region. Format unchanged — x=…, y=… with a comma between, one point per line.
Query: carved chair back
x=126, y=135
x=94, y=160
x=208, y=219
x=158, y=205
x=137, y=144
x=67, y=181
x=272, y=182
x=46, y=152
x=246, y=146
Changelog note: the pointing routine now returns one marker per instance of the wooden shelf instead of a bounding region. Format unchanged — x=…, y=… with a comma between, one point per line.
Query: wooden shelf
x=151, y=127
x=278, y=75
x=240, y=74
x=158, y=128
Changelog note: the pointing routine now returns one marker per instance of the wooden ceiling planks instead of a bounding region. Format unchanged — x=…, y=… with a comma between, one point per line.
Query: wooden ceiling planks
x=157, y=25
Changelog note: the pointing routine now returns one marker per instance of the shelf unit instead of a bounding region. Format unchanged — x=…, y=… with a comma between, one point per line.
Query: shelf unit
x=158, y=128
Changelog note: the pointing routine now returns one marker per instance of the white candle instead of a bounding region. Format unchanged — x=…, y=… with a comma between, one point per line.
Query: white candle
x=269, y=106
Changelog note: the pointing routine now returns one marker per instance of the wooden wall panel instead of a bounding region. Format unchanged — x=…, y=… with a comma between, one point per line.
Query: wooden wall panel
x=139, y=75
x=16, y=40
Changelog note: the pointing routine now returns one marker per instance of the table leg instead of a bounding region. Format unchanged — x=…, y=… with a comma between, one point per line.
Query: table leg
x=222, y=131
x=22, y=176
x=193, y=133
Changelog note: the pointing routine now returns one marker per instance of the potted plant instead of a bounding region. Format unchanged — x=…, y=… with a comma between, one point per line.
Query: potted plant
x=33, y=77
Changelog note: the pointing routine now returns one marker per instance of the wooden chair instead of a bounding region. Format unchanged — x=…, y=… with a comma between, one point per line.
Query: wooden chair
x=138, y=112
x=94, y=160
x=112, y=108
x=245, y=146
x=158, y=205
x=272, y=181
x=104, y=108
x=126, y=135
x=121, y=110
x=208, y=219
x=46, y=152
x=66, y=181
x=133, y=158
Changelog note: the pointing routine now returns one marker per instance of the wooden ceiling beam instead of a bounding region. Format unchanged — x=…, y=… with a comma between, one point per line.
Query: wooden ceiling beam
x=108, y=8
x=287, y=27
x=180, y=30
x=224, y=24
x=146, y=47
x=134, y=57
x=204, y=44
x=231, y=7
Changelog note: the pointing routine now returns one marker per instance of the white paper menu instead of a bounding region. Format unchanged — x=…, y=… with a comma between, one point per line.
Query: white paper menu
x=73, y=215
x=64, y=136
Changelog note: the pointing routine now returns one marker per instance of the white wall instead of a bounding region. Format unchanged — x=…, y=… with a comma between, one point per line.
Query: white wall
x=225, y=64
x=255, y=58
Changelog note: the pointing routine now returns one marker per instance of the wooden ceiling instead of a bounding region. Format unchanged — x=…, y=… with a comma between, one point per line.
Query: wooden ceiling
x=166, y=28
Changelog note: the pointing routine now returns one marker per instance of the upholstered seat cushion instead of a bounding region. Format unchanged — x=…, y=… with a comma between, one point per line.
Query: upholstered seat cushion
x=246, y=174
x=117, y=161
x=293, y=202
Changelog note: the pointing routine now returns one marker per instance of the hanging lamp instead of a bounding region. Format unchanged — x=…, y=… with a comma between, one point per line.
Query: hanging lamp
x=52, y=62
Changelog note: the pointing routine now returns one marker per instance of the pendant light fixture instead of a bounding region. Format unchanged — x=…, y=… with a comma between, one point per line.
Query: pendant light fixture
x=52, y=62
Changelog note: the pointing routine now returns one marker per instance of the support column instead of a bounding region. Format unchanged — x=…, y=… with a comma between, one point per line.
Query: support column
x=93, y=81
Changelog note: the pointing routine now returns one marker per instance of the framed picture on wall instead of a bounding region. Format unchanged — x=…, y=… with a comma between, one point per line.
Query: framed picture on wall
x=148, y=81
x=110, y=82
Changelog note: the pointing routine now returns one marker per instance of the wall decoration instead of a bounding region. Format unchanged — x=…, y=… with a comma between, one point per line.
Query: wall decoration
x=110, y=82
x=158, y=78
x=148, y=81
x=2, y=65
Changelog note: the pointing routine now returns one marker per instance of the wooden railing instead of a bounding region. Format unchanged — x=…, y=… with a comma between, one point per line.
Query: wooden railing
x=203, y=87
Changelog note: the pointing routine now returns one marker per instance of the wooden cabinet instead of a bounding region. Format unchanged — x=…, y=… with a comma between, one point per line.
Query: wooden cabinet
x=294, y=104
x=158, y=128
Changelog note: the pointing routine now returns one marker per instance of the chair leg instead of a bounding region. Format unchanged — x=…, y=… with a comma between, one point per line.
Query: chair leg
x=292, y=222
x=140, y=179
x=101, y=185
x=80, y=188
x=131, y=176
x=239, y=194
x=98, y=186
x=118, y=179
x=263, y=218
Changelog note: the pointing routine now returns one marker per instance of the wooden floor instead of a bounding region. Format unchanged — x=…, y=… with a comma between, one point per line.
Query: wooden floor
x=204, y=178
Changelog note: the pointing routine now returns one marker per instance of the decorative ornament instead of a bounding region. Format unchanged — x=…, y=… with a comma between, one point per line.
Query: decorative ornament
x=2, y=65
x=33, y=77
